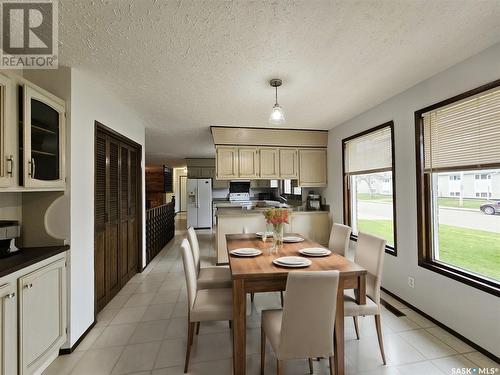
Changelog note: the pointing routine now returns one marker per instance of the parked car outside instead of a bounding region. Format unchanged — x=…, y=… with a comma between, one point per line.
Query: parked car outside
x=490, y=208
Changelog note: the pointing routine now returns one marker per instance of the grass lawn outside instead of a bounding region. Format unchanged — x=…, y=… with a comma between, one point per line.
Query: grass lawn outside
x=471, y=249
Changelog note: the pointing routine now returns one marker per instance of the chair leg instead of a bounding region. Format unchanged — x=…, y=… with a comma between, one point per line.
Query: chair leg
x=378, y=325
x=230, y=324
x=311, y=369
x=278, y=367
x=189, y=343
x=356, y=328
x=252, y=297
x=330, y=360
x=262, y=350
x=198, y=328
x=281, y=296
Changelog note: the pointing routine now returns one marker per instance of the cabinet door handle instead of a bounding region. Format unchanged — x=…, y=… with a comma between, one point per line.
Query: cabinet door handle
x=29, y=286
x=10, y=165
x=31, y=170
x=10, y=296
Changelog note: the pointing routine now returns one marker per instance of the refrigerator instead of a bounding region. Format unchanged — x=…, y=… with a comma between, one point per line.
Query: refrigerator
x=199, y=202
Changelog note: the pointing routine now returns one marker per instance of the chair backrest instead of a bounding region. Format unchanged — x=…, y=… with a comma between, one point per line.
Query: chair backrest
x=339, y=239
x=190, y=272
x=309, y=314
x=370, y=255
x=195, y=248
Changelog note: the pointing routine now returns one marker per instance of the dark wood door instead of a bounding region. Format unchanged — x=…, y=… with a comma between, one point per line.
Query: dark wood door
x=116, y=239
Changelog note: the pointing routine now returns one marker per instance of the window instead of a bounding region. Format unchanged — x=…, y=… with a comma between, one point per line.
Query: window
x=369, y=184
x=459, y=236
x=455, y=177
x=290, y=187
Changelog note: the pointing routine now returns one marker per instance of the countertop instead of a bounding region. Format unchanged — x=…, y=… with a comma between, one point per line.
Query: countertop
x=238, y=211
x=28, y=256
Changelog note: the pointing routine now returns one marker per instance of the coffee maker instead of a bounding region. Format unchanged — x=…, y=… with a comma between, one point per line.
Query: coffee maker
x=313, y=201
x=9, y=231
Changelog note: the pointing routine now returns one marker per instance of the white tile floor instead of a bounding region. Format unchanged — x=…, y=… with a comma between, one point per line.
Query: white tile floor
x=143, y=331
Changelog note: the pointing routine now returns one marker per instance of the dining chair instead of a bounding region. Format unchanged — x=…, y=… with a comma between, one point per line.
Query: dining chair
x=304, y=327
x=204, y=305
x=370, y=255
x=339, y=239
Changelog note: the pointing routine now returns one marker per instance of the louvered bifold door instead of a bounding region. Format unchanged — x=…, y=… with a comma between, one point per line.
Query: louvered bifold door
x=124, y=212
x=113, y=224
x=133, y=219
x=100, y=221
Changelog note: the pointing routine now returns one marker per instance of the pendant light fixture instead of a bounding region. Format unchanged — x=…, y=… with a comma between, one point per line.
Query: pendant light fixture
x=277, y=114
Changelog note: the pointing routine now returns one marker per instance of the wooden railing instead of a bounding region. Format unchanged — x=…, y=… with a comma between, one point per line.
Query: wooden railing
x=160, y=228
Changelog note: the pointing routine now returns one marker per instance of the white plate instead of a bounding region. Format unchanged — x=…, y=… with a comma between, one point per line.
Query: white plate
x=268, y=234
x=315, y=252
x=292, y=239
x=245, y=252
x=292, y=262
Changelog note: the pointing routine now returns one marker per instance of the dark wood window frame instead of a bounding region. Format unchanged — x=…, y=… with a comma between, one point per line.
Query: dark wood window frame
x=392, y=250
x=424, y=209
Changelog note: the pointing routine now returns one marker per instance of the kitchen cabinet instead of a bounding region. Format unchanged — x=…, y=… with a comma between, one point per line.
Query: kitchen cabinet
x=312, y=167
x=248, y=162
x=288, y=163
x=42, y=315
x=43, y=140
x=227, y=163
x=8, y=328
x=269, y=163
x=7, y=133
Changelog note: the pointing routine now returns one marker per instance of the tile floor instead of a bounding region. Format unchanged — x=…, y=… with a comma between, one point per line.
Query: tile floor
x=143, y=331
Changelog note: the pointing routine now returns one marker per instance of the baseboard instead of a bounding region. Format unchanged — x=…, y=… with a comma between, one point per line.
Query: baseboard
x=222, y=264
x=446, y=328
x=70, y=350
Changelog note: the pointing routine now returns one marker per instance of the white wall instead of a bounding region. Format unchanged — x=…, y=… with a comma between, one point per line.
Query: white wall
x=469, y=311
x=87, y=102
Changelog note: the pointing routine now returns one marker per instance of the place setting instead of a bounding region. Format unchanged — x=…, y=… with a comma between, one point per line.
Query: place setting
x=245, y=252
x=315, y=252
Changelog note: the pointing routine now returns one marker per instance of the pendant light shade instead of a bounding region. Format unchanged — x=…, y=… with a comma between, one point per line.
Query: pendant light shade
x=277, y=116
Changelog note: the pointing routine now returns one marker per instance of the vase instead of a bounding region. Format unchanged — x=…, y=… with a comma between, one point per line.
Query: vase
x=278, y=236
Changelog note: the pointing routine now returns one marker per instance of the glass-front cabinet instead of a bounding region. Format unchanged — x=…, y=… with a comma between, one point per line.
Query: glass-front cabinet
x=7, y=133
x=43, y=132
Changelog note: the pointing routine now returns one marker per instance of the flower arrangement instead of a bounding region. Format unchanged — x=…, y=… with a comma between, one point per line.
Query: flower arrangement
x=277, y=217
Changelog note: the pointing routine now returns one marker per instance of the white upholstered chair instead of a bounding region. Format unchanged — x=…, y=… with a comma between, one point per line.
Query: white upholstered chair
x=203, y=304
x=304, y=327
x=370, y=255
x=339, y=239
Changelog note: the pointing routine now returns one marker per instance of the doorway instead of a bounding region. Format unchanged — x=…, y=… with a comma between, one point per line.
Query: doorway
x=182, y=193
x=117, y=213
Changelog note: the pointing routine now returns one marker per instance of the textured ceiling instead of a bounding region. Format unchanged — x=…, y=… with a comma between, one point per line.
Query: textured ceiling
x=186, y=65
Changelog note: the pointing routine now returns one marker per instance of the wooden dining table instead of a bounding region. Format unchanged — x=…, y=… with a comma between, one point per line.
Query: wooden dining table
x=259, y=274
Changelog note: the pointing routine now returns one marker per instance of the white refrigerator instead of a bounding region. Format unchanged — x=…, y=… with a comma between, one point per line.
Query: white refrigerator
x=199, y=202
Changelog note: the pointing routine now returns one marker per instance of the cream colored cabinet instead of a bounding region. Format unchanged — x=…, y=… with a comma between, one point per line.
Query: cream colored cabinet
x=269, y=162
x=288, y=163
x=312, y=167
x=44, y=133
x=8, y=130
x=42, y=315
x=248, y=162
x=8, y=328
x=227, y=163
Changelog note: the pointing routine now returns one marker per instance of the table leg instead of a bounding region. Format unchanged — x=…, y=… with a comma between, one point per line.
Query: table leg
x=239, y=327
x=338, y=358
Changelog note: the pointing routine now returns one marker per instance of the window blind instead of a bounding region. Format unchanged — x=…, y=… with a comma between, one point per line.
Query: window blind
x=465, y=133
x=371, y=152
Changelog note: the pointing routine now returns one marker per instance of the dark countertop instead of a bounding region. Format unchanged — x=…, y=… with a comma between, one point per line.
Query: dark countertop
x=28, y=256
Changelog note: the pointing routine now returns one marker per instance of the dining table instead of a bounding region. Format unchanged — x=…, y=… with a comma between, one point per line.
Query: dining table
x=259, y=274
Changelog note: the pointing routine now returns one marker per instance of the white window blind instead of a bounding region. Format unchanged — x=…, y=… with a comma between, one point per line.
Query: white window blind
x=371, y=152
x=465, y=133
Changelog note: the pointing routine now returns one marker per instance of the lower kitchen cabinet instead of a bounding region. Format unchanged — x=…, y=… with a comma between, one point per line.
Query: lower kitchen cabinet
x=33, y=316
x=8, y=328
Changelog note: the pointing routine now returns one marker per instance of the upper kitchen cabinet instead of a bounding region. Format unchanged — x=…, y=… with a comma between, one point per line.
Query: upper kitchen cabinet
x=312, y=167
x=288, y=163
x=42, y=130
x=227, y=163
x=248, y=162
x=7, y=133
x=269, y=163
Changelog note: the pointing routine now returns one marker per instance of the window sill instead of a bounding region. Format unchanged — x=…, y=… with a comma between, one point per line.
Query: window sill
x=486, y=285
x=391, y=250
